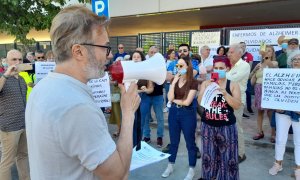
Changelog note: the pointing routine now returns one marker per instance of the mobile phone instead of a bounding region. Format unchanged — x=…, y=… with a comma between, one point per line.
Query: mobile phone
x=24, y=67
x=215, y=76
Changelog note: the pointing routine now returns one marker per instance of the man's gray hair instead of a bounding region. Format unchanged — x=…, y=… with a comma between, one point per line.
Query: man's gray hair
x=203, y=48
x=291, y=56
x=10, y=53
x=237, y=48
x=73, y=25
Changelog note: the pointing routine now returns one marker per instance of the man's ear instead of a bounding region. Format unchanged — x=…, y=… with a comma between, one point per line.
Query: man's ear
x=78, y=51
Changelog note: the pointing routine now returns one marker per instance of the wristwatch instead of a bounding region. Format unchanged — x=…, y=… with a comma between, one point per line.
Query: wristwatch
x=6, y=77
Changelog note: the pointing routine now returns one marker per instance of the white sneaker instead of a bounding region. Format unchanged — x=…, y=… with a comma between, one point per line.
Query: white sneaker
x=190, y=175
x=168, y=171
x=297, y=174
x=275, y=169
x=166, y=109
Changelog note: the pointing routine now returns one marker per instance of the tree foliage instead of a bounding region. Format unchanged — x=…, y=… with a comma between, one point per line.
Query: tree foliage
x=18, y=17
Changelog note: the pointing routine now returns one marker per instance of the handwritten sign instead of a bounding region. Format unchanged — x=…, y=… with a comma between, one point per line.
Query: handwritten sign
x=257, y=36
x=206, y=38
x=101, y=91
x=42, y=69
x=281, y=89
x=210, y=92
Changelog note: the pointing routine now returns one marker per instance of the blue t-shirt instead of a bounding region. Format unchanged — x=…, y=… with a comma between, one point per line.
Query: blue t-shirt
x=119, y=55
x=172, y=66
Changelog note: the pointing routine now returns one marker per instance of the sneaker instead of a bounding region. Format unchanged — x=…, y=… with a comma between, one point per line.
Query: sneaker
x=159, y=142
x=198, y=153
x=297, y=174
x=147, y=140
x=246, y=116
x=166, y=149
x=275, y=169
x=166, y=109
x=168, y=171
x=190, y=175
x=241, y=159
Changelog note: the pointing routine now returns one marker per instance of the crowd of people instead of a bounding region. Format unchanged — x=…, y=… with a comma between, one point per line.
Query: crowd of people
x=67, y=134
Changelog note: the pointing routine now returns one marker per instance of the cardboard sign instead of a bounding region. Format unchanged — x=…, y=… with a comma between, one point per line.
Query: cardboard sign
x=101, y=91
x=206, y=38
x=42, y=69
x=281, y=89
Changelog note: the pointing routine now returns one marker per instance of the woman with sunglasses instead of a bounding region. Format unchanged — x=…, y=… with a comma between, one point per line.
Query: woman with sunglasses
x=268, y=61
x=182, y=115
x=218, y=129
x=285, y=119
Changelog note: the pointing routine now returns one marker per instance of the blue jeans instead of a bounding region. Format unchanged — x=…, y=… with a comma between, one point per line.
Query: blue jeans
x=167, y=87
x=157, y=103
x=183, y=119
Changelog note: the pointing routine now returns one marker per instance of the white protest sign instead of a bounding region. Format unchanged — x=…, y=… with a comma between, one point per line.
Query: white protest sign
x=256, y=36
x=210, y=92
x=206, y=38
x=145, y=156
x=42, y=69
x=101, y=91
x=281, y=89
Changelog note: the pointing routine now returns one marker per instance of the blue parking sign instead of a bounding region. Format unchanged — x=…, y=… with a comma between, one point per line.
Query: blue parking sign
x=100, y=7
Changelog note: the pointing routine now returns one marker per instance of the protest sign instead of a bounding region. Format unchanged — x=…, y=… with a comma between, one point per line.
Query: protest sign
x=42, y=69
x=281, y=89
x=257, y=36
x=210, y=92
x=101, y=91
x=206, y=38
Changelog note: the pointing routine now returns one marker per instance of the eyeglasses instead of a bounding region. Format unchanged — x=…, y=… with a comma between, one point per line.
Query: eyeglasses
x=297, y=60
x=185, y=50
x=179, y=65
x=121, y=47
x=108, y=48
x=42, y=57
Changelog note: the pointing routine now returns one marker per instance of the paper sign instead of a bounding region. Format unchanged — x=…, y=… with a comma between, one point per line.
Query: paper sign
x=210, y=92
x=42, y=69
x=145, y=156
x=256, y=36
x=101, y=91
x=281, y=89
x=206, y=38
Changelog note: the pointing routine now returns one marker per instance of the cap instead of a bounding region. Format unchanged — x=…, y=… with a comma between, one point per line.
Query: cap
x=293, y=41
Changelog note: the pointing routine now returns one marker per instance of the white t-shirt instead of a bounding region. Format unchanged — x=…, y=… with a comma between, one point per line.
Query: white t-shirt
x=208, y=62
x=67, y=133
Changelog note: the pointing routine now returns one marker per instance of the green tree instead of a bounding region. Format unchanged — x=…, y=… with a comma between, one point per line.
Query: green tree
x=18, y=17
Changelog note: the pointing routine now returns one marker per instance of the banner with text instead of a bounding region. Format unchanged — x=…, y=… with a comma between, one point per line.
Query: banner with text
x=281, y=89
x=42, y=69
x=101, y=91
x=256, y=36
x=206, y=38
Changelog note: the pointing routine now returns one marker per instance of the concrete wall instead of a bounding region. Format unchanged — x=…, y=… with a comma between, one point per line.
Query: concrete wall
x=134, y=7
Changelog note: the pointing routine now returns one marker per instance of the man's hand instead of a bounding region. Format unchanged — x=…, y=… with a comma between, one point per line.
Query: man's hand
x=130, y=100
x=11, y=71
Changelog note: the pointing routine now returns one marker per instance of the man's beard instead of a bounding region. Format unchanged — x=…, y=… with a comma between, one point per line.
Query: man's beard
x=93, y=68
x=290, y=51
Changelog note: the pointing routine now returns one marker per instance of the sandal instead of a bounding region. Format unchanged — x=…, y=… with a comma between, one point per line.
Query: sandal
x=272, y=140
x=258, y=136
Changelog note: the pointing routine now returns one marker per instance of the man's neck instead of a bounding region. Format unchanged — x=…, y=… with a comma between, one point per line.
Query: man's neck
x=204, y=57
x=76, y=72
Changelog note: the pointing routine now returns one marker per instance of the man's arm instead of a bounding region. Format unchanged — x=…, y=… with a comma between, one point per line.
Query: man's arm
x=117, y=165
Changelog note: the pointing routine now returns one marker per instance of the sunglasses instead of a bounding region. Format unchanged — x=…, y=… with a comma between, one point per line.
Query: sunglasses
x=179, y=65
x=180, y=51
x=40, y=57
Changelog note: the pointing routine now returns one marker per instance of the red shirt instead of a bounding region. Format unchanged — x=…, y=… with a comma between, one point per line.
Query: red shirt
x=247, y=57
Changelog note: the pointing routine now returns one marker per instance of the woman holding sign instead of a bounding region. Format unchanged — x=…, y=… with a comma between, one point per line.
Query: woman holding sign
x=218, y=129
x=256, y=76
x=182, y=115
x=284, y=119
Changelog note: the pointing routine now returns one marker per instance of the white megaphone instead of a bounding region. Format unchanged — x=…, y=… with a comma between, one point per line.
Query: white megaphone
x=152, y=69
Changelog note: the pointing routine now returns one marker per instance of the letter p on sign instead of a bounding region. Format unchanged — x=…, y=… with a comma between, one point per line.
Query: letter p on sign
x=100, y=7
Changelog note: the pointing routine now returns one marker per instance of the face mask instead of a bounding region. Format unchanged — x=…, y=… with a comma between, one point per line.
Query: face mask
x=4, y=64
x=182, y=71
x=284, y=45
x=222, y=73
